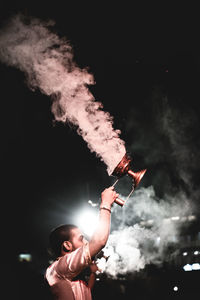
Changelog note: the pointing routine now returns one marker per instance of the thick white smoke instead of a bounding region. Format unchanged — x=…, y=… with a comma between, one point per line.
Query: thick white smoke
x=143, y=230
x=47, y=61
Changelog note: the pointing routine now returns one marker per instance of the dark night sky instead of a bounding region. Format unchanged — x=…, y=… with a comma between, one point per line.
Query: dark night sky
x=137, y=56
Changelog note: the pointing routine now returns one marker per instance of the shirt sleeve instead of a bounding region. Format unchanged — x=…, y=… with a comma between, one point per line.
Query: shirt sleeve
x=73, y=263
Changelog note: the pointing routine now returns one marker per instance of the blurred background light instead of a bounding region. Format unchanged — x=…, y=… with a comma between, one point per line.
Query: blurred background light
x=196, y=266
x=187, y=267
x=87, y=221
x=25, y=257
x=175, y=288
x=192, y=267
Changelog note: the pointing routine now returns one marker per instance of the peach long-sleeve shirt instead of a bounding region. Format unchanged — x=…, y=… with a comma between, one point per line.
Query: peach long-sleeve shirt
x=60, y=275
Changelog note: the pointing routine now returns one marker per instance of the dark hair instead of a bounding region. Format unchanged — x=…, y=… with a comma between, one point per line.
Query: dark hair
x=57, y=237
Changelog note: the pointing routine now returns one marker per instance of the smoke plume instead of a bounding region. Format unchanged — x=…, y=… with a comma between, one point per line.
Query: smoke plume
x=143, y=231
x=149, y=225
x=47, y=61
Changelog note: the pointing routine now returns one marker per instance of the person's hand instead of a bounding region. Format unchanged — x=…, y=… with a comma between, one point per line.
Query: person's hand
x=108, y=196
x=93, y=267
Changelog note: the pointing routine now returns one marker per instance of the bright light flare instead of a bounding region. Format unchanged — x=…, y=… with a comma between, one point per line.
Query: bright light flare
x=87, y=221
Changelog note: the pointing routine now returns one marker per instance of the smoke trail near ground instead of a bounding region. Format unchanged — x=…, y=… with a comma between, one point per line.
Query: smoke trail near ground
x=47, y=61
x=143, y=230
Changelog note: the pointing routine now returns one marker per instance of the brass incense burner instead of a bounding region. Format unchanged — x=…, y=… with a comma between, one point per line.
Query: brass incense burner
x=123, y=168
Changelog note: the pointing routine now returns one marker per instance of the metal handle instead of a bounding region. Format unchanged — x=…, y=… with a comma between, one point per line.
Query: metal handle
x=120, y=201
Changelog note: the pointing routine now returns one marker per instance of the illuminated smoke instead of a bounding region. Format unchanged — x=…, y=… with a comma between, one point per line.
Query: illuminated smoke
x=47, y=61
x=143, y=230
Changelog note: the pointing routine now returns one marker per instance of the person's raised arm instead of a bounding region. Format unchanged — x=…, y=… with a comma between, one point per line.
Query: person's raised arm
x=101, y=234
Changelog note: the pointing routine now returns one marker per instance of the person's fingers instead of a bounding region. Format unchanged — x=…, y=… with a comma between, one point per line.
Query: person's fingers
x=111, y=187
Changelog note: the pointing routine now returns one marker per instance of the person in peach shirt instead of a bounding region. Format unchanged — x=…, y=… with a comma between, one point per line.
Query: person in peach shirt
x=73, y=253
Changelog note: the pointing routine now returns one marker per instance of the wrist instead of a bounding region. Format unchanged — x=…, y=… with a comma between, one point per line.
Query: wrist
x=105, y=207
x=105, y=204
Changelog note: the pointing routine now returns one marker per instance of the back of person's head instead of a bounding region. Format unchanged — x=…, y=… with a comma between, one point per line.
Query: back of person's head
x=57, y=237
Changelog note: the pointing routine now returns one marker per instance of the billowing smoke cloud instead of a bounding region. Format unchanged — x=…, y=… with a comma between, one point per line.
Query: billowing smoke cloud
x=47, y=61
x=148, y=226
x=143, y=231
x=171, y=131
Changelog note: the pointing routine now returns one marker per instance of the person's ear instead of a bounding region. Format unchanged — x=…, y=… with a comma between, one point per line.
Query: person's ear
x=67, y=246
